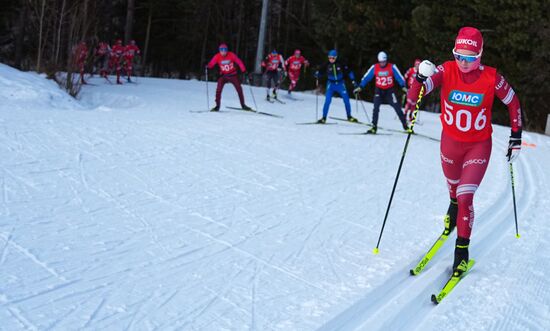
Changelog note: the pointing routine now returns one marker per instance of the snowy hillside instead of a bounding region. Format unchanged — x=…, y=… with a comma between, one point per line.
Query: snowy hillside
x=124, y=210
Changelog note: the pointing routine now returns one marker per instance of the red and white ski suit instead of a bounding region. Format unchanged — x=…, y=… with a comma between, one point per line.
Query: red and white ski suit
x=130, y=51
x=228, y=74
x=466, y=103
x=410, y=77
x=117, y=52
x=294, y=65
x=80, y=55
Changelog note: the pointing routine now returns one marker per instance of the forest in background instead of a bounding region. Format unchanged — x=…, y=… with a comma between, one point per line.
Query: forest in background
x=178, y=37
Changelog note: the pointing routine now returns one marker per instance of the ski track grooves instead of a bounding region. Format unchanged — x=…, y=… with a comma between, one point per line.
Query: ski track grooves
x=32, y=257
x=391, y=306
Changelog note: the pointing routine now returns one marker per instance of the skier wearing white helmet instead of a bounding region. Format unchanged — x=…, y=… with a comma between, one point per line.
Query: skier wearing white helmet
x=386, y=73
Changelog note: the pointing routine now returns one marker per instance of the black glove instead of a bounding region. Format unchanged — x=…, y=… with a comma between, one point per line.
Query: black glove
x=514, y=146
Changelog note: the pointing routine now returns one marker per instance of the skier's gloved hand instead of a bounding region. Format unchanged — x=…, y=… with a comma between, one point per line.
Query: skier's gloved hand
x=404, y=89
x=514, y=146
x=425, y=70
x=316, y=74
x=357, y=90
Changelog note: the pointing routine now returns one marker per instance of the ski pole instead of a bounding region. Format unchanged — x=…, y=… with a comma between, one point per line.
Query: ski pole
x=252, y=93
x=356, y=103
x=420, y=95
x=365, y=111
x=317, y=91
x=415, y=112
x=514, y=199
x=206, y=81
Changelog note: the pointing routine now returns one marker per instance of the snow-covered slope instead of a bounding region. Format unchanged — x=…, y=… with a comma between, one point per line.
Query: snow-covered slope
x=124, y=210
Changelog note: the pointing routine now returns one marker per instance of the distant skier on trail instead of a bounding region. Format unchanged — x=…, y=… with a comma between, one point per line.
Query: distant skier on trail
x=102, y=53
x=227, y=63
x=468, y=89
x=385, y=74
x=80, y=54
x=335, y=71
x=130, y=51
x=410, y=76
x=117, y=52
x=273, y=63
x=294, y=65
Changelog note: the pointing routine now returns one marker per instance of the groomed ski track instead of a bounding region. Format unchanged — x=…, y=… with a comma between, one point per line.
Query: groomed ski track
x=126, y=211
x=401, y=304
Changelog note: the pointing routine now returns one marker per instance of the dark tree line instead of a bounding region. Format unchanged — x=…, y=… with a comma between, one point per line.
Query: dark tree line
x=177, y=37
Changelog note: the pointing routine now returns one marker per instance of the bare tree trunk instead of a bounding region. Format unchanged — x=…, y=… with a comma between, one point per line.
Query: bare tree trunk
x=58, y=43
x=205, y=40
x=108, y=29
x=278, y=8
x=129, y=22
x=261, y=37
x=240, y=18
x=147, y=35
x=41, y=28
x=287, y=21
x=19, y=35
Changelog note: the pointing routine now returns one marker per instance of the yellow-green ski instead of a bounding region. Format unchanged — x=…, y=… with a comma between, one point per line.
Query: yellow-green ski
x=430, y=254
x=435, y=247
x=451, y=283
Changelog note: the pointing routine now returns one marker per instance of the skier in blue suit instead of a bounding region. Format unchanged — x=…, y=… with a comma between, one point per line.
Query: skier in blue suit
x=335, y=72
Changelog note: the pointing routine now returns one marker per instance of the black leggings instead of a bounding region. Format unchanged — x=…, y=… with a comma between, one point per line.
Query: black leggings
x=272, y=75
x=386, y=96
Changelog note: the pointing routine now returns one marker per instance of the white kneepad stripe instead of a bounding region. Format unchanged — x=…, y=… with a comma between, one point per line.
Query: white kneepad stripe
x=466, y=189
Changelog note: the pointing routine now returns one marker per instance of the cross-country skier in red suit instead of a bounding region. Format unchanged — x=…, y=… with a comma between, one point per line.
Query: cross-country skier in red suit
x=80, y=55
x=102, y=55
x=467, y=92
x=294, y=65
x=116, y=58
x=272, y=64
x=227, y=63
x=130, y=51
x=410, y=77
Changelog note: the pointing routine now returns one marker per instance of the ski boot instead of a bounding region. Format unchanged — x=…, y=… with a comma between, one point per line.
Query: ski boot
x=268, y=98
x=450, y=218
x=322, y=120
x=352, y=119
x=460, y=264
x=372, y=130
x=245, y=107
x=274, y=94
x=217, y=108
x=407, y=128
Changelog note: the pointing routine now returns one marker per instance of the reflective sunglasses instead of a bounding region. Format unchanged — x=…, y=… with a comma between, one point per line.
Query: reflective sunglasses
x=332, y=57
x=467, y=58
x=223, y=49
